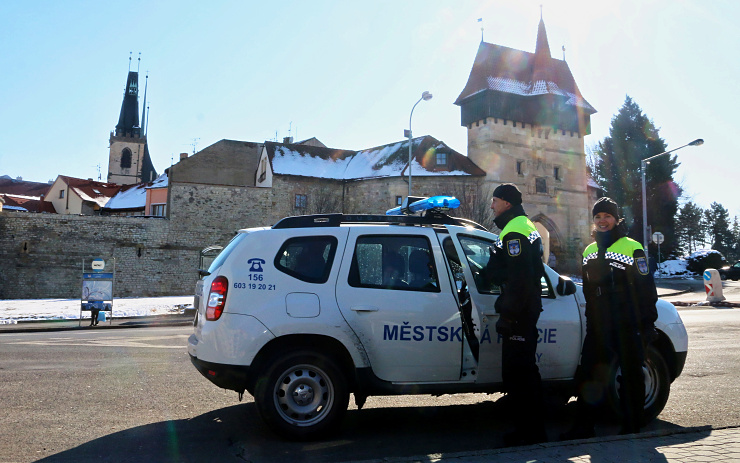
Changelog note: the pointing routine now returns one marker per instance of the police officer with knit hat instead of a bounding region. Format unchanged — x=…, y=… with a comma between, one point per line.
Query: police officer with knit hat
x=620, y=315
x=516, y=265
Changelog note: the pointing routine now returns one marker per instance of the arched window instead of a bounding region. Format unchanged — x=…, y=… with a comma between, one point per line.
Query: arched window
x=126, y=158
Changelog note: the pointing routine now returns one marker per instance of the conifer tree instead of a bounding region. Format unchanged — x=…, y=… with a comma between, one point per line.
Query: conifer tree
x=689, y=227
x=632, y=138
x=718, y=227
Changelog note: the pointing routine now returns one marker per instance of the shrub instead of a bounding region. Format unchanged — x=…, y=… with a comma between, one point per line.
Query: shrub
x=704, y=259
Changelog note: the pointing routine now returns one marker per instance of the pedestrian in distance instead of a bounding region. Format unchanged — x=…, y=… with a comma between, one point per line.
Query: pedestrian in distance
x=516, y=266
x=620, y=321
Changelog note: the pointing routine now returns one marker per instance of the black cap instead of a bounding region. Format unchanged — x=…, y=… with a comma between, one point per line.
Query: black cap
x=607, y=205
x=508, y=192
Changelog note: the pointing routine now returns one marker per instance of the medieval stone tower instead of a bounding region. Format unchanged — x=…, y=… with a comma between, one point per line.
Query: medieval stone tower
x=526, y=121
x=128, y=160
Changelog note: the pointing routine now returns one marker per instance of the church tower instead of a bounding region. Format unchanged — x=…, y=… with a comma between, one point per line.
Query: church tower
x=526, y=120
x=128, y=160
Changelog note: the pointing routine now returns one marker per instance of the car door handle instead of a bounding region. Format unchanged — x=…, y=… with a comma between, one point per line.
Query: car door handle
x=364, y=308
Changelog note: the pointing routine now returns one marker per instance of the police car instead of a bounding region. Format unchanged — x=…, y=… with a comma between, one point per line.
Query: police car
x=315, y=308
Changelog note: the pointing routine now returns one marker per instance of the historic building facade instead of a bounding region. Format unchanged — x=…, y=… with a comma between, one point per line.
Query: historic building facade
x=526, y=121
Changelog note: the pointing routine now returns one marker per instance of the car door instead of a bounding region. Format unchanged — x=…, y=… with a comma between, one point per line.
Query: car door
x=406, y=318
x=559, y=326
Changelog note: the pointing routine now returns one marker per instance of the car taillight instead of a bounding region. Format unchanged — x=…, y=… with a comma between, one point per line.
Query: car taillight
x=217, y=298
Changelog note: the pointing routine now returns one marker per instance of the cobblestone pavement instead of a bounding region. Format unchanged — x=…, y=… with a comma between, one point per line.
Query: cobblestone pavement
x=688, y=446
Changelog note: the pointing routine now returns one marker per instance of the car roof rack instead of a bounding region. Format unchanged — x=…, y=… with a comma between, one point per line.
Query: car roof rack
x=430, y=218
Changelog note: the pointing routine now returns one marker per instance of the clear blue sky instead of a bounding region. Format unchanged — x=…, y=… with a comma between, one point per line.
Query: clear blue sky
x=348, y=73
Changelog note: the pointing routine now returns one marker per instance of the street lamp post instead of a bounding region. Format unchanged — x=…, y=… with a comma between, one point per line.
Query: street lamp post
x=426, y=96
x=643, y=166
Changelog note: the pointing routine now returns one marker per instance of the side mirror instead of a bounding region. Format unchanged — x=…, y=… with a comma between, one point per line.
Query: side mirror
x=565, y=287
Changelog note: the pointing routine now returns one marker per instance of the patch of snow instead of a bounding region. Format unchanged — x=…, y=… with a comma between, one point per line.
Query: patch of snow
x=14, y=310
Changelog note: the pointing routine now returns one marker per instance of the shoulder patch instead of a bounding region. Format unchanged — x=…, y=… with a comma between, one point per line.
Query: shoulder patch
x=514, y=247
x=642, y=265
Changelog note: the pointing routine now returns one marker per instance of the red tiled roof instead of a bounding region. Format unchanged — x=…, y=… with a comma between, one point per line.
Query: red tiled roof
x=90, y=190
x=508, y=70
x=30, y=204
x=22, y=187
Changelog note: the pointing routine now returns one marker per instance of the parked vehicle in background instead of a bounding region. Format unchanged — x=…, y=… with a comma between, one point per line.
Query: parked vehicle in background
x=731, y=272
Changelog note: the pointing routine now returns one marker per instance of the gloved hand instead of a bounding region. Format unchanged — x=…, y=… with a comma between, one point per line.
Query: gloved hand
x=648, y=335
x=505, y=326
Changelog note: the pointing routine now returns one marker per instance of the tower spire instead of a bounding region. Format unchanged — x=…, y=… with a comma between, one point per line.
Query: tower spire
x=143, y=107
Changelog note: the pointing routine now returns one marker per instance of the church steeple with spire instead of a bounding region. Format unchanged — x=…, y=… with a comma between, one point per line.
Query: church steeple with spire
x=128, y=159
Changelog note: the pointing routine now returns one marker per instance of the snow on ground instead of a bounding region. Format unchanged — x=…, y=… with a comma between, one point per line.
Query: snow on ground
x=14, y=310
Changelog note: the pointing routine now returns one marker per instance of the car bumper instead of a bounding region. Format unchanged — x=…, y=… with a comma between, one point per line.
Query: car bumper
x=232, y=377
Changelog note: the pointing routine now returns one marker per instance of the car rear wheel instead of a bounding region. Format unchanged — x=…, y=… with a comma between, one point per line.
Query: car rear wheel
x=302, y=395
x=657, y=385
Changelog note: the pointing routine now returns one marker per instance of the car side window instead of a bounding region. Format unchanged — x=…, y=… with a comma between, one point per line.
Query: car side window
x=393, y=262
x=307, y=258
x=476, y=252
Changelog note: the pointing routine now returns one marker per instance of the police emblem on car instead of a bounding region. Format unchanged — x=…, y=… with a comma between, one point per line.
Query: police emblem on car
x=515, y=247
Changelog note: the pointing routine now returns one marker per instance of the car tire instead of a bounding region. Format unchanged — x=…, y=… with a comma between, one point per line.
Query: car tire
x=302, y=395
x=657, y=385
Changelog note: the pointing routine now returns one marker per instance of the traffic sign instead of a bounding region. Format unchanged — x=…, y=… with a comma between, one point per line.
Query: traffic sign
x=658, y=238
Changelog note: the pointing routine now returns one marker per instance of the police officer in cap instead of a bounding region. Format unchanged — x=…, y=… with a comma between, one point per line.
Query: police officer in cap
x=620, y=315
x=516, y=265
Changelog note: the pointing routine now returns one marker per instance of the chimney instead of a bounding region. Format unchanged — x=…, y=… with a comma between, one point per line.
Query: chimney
x=19, y=179
x=183, y=156
x=287, y=139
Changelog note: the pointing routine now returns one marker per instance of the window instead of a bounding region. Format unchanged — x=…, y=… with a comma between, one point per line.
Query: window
x=441, y=159
x=399, y=200
x=476, y=252
x=158, y=210
x=520, y=167
x=556, y=173
x=126, y=158
x=307, y=258
x=263, y=170
x=540, y=185
x=61, y=194
x=393, y=263
x=301, y=201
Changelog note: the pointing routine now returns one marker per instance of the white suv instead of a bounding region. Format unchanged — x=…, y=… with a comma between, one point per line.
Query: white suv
x=306, y=312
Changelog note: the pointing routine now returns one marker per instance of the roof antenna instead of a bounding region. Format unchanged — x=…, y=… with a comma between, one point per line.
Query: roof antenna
x=480, y=20
x=540, y=12
x=563, y=52
x=138, y=65
x=195, y=143
x=129, y=61
x=290, y=128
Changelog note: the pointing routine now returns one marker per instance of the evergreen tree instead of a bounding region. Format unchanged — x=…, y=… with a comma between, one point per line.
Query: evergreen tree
x=632, y=138
x=735, y=240
x=718, y=226
x=689, y=230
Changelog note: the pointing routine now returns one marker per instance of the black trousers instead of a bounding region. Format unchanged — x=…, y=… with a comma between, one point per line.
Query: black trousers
x=521, y=376
x=599, y=347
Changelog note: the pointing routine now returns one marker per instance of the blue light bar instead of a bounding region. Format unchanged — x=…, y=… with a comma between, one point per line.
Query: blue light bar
x=435, y=202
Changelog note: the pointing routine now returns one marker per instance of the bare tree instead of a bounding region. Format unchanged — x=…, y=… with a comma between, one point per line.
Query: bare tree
x=475, y=203
x=324, y=199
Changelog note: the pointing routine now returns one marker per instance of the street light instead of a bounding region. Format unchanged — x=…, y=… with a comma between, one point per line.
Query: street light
x=426, y=96
x=643, y=166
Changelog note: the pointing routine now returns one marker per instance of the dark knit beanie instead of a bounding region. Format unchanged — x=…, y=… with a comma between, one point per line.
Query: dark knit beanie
x=508, y=192
x=607, y=205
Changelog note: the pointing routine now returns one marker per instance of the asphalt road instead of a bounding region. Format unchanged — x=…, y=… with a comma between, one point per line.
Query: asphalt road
x=132, y=395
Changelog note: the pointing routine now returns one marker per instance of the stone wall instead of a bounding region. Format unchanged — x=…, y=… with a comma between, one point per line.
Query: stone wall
x=41, y=255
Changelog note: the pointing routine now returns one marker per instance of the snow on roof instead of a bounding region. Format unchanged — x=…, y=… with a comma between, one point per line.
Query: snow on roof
x=15, y=208
x=382, y=161
x=134, y=196
x=539, y=87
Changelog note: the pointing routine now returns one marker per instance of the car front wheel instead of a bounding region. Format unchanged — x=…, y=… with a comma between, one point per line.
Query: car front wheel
x=657, y=385
x=302, y=395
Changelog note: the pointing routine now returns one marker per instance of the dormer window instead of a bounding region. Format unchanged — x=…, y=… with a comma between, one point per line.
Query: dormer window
x=441, y=159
